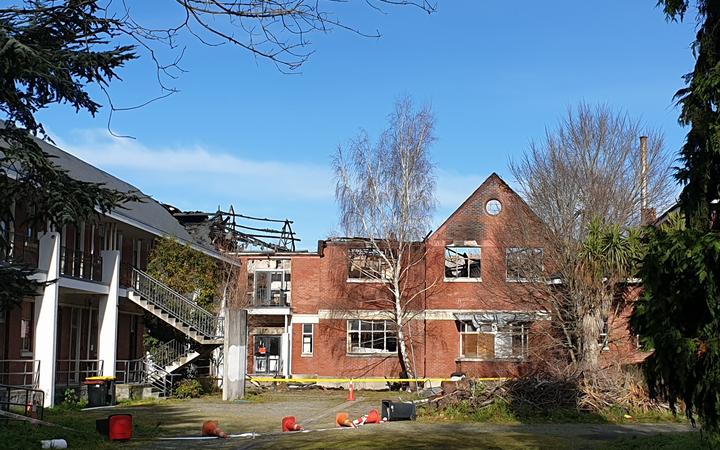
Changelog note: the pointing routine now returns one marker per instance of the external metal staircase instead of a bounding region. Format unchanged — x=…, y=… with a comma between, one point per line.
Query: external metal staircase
x=184, y=315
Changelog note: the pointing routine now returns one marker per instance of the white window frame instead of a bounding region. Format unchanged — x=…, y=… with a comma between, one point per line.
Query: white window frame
x=388, y=329
x=507, y=332
x=310, y=335
x=284, y=290
x=510, y=250
x=462, y=279
x=604, y=336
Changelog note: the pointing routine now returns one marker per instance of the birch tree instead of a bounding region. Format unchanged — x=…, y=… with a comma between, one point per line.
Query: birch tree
x=386, y=194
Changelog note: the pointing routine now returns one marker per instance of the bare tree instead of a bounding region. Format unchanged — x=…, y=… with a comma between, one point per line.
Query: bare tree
x=386, y=194
x=584, y=181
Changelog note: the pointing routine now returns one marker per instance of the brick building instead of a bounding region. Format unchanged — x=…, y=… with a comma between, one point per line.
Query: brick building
x=312, y=314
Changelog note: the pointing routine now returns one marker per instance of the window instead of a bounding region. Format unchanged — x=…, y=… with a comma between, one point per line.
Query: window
x=603, y=338
x=26, y=329
x=490, y=341
x=477, y=342
x=462, y=263
x=271, y=287
x=371, y=336
x=367, y=264
x=4, y=239
x=524, y=264
x=307, y=339
x=493, y=207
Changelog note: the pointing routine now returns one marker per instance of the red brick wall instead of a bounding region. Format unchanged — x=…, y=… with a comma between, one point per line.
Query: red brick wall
x=515, y=226
x=330, y=357
x=320, y=283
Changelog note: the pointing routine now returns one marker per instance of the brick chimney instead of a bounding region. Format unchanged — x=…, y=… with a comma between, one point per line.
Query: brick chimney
x=647, y=215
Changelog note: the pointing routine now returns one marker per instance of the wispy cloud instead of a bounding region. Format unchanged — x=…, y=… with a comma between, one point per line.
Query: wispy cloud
x=199, y=166
x=199, y=177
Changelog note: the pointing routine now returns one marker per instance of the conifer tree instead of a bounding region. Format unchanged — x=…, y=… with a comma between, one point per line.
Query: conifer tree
x=679, y=314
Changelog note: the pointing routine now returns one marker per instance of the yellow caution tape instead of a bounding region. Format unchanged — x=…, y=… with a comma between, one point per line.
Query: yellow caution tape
x=358, y=380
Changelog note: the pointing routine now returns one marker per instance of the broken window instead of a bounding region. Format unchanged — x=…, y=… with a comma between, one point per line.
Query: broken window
x=271, y=287
x=367, y=264
x=524, y=264
x=371, y=336
x=462, y=262
x=490, y=341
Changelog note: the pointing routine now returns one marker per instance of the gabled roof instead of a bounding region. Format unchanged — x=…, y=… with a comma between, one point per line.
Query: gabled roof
x=148, y=215
x=494, y=177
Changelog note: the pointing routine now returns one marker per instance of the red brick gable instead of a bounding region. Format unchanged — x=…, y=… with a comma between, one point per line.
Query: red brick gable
x=470, y=220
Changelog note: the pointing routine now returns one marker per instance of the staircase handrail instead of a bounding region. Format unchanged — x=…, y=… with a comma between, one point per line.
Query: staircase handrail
x=186, y=310
x=159, y=378
x=168, y=352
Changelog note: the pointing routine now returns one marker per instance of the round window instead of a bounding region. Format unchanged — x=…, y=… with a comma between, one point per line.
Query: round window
x=493, y=207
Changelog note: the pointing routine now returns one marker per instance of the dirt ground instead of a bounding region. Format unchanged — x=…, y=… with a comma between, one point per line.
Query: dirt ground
x=255, y=423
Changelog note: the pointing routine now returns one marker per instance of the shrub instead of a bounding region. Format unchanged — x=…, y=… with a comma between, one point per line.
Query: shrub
x=189, y=388
x=71, y=400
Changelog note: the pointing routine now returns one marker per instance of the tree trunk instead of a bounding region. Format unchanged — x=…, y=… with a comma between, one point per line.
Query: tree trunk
x=403, y=355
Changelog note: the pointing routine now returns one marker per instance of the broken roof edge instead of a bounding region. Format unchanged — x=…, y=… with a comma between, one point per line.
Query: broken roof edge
x=342, y=239
x=275, y=254
x=152, y=230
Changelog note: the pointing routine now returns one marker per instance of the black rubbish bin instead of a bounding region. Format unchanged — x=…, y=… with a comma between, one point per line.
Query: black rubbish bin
x=101, y=391
x=97, y=393
x=398, y=410
x=110, y=391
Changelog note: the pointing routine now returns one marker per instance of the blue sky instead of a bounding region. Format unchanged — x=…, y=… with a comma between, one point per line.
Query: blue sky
x=496, y=76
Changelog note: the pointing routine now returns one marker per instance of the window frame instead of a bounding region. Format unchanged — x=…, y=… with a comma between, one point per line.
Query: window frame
x=467, y=279
x=517, y=250
x=27, y=325
x=493, y=329
x=305, y=334
x=369, y=351
x=284, y=301
x=368, y=251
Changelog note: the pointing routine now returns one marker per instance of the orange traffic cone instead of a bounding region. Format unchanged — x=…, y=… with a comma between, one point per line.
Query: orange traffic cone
x=289, y=424
x=211, y=428
x=343, y=420
x=351, y=393
x=373, y=417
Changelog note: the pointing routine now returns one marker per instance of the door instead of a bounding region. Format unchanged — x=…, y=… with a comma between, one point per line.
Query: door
x=267, y=354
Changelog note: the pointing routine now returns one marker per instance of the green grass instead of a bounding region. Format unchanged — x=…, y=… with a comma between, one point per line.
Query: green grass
x=670, y=441
x=500, y=412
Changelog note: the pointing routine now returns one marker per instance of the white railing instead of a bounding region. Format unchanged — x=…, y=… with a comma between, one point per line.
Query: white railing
x=165, y=354
x=177, y=305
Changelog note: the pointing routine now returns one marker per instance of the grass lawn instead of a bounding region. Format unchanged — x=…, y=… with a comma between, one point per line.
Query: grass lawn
x=684, y=441
x=494, y=427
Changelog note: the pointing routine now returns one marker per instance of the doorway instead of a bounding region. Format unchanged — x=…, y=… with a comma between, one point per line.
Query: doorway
x=267, y=354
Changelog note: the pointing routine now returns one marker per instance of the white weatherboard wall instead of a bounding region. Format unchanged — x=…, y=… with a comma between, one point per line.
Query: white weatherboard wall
x=108, y=312
x=46, y=312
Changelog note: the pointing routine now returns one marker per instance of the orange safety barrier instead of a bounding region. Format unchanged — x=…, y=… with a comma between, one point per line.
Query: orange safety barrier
x=289, y=424
x=211, y=428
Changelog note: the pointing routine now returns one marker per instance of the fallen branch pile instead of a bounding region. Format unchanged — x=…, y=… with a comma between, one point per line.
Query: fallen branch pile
x=542, y=393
